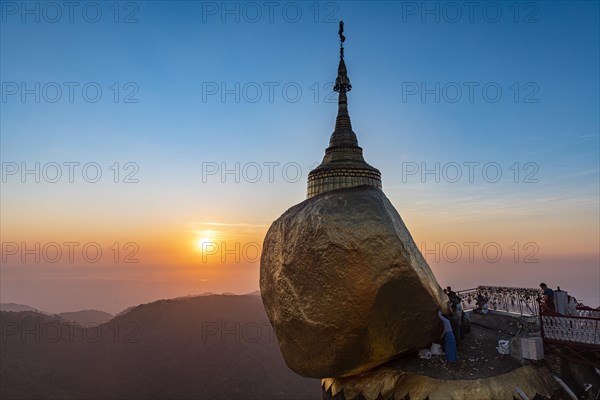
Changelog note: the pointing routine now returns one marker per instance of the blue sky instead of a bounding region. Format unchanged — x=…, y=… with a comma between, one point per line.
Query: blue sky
x=547, y=52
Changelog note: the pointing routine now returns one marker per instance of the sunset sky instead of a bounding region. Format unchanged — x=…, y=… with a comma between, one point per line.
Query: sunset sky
x=210, y=116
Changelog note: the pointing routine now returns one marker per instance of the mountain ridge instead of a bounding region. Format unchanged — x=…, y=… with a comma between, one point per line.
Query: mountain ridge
x=207, y=347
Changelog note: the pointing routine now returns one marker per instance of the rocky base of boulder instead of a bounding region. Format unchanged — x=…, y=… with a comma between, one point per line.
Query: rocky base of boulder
x=386, y=383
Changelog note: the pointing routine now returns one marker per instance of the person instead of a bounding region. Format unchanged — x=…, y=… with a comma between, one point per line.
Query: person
x=451, y=355
x=465, y=322
x=451, y=294
x=454, y=299
x=485, y=309
x=456, y=323
x=482, y=306
x=548, y=297
x=572, y=305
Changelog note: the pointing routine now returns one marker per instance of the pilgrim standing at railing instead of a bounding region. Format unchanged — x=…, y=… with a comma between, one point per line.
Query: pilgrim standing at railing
x=548, y=297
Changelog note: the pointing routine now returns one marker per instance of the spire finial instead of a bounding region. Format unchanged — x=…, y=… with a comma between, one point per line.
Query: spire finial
x=342, y=39
x=342, y=85
x=342, y=82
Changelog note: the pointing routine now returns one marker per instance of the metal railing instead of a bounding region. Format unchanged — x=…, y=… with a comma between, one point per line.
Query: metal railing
x=582, y=326
x=580, y=312
x=571, y=329
x=521, y=301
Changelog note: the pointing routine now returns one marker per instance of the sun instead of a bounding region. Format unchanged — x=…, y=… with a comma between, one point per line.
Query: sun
x=206, y=238
x=200, y=243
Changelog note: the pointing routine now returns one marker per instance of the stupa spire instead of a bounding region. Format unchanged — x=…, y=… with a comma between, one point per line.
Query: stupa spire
x=342, y=85
x=343, y=165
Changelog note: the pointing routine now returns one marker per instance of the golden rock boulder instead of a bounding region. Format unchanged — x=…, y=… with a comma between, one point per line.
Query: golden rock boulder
x=344, y=285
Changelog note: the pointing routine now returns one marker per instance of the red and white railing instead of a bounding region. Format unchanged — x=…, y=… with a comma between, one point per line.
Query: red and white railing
x=570, y=328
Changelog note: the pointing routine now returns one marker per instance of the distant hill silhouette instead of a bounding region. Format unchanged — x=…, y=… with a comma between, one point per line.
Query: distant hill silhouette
x=85, y=317
x=204, y=347
x=18, y=307
x=82, y=317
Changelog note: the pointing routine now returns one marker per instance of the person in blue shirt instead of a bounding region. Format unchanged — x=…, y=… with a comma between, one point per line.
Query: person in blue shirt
x=451, y=355
x=548, y=296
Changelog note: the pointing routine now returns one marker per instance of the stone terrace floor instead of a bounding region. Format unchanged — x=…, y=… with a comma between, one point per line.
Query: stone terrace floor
x=477, y=354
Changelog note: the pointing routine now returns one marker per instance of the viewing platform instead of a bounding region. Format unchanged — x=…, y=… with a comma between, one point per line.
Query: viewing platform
x=573, y=334
x=543, y=346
